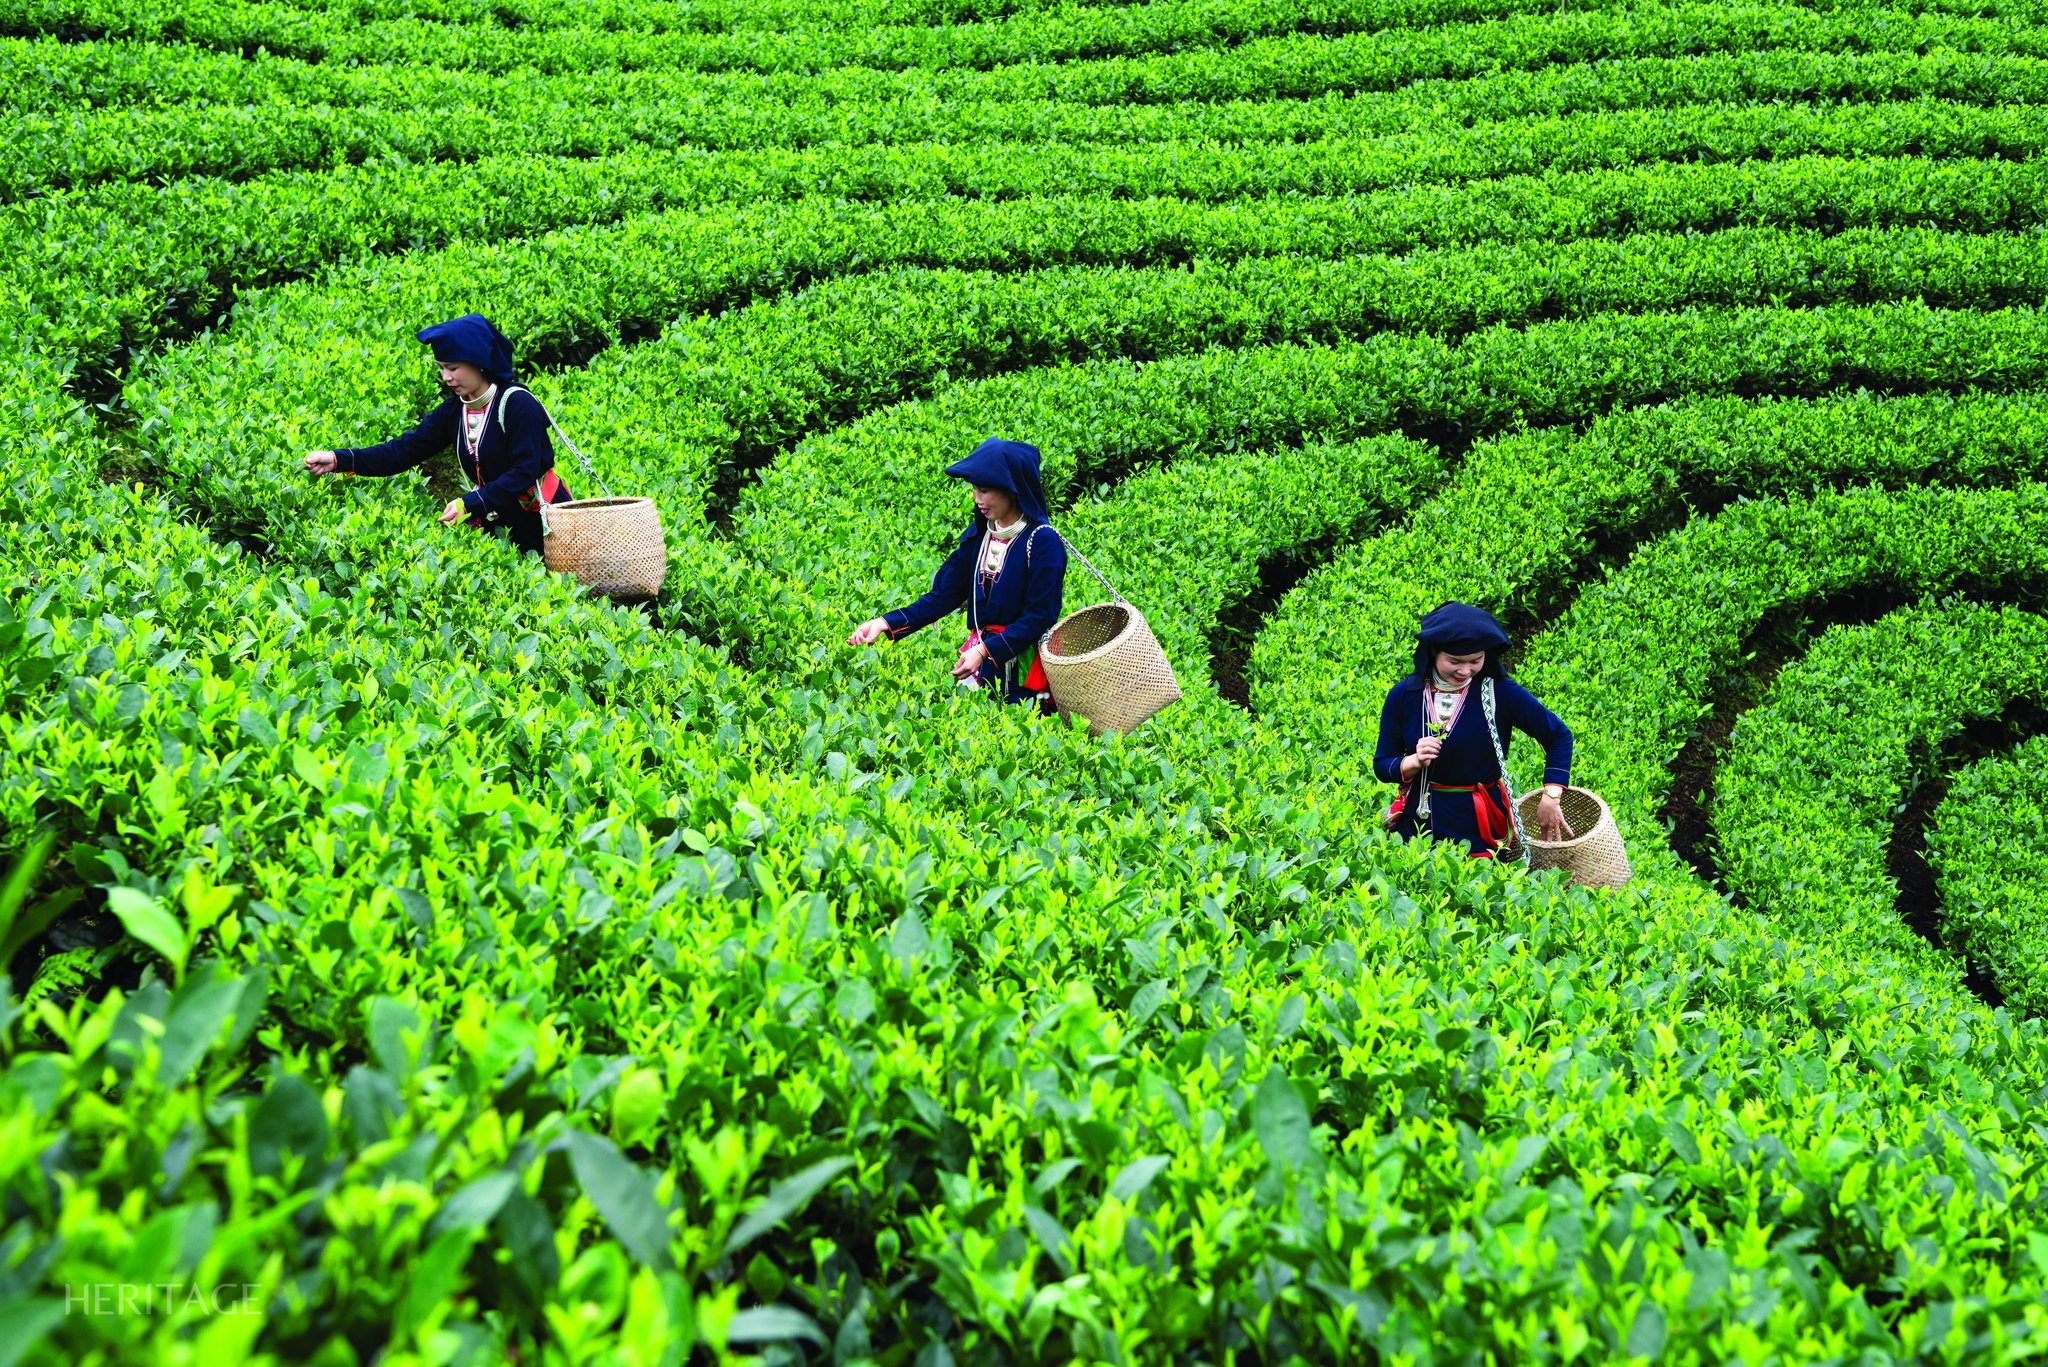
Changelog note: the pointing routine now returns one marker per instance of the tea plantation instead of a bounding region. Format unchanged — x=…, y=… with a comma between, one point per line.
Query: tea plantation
x=412, y=960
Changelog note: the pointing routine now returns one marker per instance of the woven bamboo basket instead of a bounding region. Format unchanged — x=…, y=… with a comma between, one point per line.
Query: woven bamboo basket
x=1103, y=663
x=1594, y=857
x=613, y=546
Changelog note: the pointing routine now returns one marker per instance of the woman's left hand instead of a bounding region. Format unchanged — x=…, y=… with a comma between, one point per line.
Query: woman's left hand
x=971, y=660
x=1550, y=822
x=454, y=512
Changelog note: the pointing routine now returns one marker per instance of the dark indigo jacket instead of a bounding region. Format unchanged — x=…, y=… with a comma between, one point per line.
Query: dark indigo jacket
x=1029, y=591
x=1467, y=756
x=512, y=459
x=1025, y=600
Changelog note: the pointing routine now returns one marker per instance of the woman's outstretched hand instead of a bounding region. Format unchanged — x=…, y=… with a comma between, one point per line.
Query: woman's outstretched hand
x=1550, y=822
x=320, y=462
x=868, y=632
x=454, y=512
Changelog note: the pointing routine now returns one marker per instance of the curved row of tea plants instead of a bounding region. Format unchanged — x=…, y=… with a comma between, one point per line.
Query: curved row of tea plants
x=1098, y=419
x=1354, y=44
x=113, y=264
x=64, y=147
x=1805, y=798
x=1582, y=497
x=715, y=398
x=814, y=44
x=1715, y=580
x=1990, y=864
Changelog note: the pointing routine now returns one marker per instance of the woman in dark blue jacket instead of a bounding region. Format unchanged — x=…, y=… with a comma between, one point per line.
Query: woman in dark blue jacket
x=1009, y=571
x=1435, y=742
x=499, y=432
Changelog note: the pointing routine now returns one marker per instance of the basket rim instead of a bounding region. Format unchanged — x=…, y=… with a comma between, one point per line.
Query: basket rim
x=1131, y=620
x=581, y=504
x=1606, y=819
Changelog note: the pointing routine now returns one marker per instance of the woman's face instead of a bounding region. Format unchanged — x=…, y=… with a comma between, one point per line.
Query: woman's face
x=995, y=504
x=461, y=377
x=1458, y=670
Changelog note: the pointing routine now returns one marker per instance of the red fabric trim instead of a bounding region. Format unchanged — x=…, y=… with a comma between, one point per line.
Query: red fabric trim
x=550, y=487
x=1429, y=697
x=1495, y=825
x=1034, y=678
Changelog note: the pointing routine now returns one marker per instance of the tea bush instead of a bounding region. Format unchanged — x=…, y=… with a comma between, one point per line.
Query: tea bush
x=455, y=968
x=1986, y=849
x=1905, y=681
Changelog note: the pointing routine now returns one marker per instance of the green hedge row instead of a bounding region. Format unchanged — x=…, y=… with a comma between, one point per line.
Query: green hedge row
x=1702, y=582
x=270, y=481
x=1804, y=801
x=1990, y=865
x=1141, y=439
x=781, y=618
x=104, y=268
x=1215, y=49
x=814, y=43
x=380, y=121
x=522, y=286
x=1581, y=496
x=169, y=20
x=1104, y=420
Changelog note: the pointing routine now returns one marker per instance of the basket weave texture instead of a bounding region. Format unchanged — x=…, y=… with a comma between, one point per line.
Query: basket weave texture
x=1103, y=663
x=1594, y=857
x=613, y=546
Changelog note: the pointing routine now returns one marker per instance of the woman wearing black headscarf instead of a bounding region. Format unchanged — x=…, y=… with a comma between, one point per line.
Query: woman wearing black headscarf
x=1440, y=747
x=498, y=429
x=1009, y=571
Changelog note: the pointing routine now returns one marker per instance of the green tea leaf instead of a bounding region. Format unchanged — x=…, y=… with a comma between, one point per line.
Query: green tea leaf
x=24, y=1322
x=1646, y=1334
x=257, y=727
x=1281, y=1122
x=854, y=1002
x=624, y=1198
x=1137, y=1175
x=288, y=1120
x=197, y=1013
x=476, y=1205
x=783, y=1200
x=148, y=920
x=909, y=941
x=1709, y=1268
x=638, y=1103
x=773, y=1324
x=392, y=1024
x=1147, y=1000
x=1681, y=1140
x=1052, y=1238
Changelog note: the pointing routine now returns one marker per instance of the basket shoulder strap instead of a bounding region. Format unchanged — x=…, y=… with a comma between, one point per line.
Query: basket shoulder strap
x=1075, y=551
x=1032, y=539
x=581, y=460
x=1500, y=756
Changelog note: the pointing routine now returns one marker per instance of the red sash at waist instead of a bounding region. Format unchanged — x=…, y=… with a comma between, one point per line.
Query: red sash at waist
x=1034, y=678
